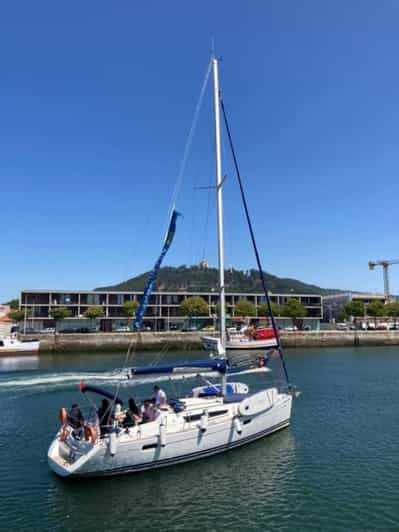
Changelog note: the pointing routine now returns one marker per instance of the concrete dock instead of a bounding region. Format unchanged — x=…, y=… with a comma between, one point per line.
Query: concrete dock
x=181, y=341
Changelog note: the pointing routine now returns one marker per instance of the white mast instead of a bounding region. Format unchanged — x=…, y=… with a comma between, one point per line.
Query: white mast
x=219, y=180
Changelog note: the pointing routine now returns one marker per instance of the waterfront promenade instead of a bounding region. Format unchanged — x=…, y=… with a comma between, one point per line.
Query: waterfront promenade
x=191, y=340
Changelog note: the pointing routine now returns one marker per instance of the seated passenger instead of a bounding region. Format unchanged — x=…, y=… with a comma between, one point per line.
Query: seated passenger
x=132, y=415
x=149, y=412
x=75, y=417
x=160, y=398
x=105, y=417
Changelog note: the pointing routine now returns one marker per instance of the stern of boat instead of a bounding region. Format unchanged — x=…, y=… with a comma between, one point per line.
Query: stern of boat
x=67, y=458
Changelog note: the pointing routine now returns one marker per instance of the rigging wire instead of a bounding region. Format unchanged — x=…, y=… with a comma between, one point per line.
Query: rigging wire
x=189, y=140
x=251, y=231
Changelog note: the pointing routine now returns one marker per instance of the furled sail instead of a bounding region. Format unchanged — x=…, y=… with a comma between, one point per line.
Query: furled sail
x=197, y=366
x=153, y=275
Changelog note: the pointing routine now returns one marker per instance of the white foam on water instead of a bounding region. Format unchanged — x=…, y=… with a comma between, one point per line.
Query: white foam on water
x=59, y=380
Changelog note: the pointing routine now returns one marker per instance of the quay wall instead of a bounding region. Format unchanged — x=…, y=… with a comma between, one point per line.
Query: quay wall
x=180, y=340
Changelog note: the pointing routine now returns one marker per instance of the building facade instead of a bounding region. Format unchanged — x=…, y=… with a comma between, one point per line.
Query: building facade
x=335, y=304
x=162, y=313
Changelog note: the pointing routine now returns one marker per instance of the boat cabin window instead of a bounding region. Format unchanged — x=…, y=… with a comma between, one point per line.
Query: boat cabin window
x=217, y=413
x=1, y=343
x=150, y=446
x=193, y=417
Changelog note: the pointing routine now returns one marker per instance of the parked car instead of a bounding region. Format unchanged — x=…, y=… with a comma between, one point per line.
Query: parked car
x=79, y=330
x=124, y=328
x=48, y=330
x=342, y=327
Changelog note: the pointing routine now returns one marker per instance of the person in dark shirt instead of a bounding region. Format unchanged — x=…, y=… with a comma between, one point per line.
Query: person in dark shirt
x=75, y=417
x=105, y=417
x=132, y=415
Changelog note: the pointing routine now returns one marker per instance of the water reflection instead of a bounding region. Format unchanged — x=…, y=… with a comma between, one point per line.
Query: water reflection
x=19, y=363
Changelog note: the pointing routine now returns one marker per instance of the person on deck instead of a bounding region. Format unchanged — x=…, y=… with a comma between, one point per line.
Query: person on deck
x=133, y=416
x=75, y=417
x=160, y=398
x=149, y=412
x=105, y=417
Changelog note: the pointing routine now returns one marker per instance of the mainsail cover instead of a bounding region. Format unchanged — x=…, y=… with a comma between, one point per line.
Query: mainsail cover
x=153, y=275
x=196, y=366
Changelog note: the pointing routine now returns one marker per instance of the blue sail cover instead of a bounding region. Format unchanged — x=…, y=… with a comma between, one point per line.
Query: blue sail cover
x=153, y=275
x=214, y=364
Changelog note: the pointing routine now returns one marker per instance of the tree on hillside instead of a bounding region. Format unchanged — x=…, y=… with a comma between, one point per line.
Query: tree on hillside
x=295, y=310
x=355, y=309
x=58, y=314
x=375, y=309
x=392, y=309
x=341, y=316
x=245, y=308
x=94, y=312
x=199, y=279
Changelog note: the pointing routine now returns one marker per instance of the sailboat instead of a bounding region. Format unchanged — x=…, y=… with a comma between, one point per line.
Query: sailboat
x=243, y=339
x=212, y=419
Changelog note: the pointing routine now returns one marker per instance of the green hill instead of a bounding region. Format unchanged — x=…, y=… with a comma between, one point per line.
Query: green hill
x=199, y=279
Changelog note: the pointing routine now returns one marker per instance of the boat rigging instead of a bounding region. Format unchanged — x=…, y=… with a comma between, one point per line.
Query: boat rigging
x=212, y=418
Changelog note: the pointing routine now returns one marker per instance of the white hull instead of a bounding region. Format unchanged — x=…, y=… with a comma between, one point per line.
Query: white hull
x=10, y=345
x=144, y=448
x=210, y=344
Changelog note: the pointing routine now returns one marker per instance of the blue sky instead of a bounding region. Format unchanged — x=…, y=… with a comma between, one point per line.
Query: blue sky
x=96, y=99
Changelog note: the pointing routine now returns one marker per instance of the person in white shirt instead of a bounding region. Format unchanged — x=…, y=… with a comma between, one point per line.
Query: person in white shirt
x=160, y=398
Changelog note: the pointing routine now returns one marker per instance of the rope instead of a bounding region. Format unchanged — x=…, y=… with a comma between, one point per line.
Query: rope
x=251, y=231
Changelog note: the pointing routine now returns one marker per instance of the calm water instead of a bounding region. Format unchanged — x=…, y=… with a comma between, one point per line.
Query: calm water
x=335, y=468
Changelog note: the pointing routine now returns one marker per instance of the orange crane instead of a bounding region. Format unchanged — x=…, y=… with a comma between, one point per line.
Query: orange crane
x=385, y=264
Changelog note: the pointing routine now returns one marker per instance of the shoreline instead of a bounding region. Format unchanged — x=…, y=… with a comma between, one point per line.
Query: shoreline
x=150, y=341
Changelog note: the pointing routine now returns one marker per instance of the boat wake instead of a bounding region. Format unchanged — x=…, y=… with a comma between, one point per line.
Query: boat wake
x=70, y=380
x=64, y=380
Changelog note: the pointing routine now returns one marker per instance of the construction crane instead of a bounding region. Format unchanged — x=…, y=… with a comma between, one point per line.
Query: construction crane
x=385, y=264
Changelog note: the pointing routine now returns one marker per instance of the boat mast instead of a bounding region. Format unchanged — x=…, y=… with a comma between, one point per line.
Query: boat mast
x=219, y=184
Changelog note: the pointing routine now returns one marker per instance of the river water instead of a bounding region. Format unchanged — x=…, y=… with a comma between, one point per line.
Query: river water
x=335, y=468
